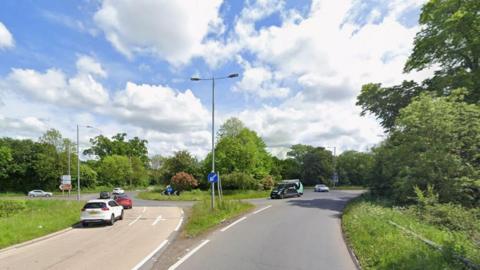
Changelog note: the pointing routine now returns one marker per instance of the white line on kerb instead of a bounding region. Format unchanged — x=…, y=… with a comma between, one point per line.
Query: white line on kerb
x=179, y=224
x=144, y=209
x=181, y=212
x=260, y=210
x=173, y=267
x=149, y=255
x=131, y=223
x=237, y=221
x=156, y=220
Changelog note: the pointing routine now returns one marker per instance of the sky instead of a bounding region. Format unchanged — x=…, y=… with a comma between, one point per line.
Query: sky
x=125, y=66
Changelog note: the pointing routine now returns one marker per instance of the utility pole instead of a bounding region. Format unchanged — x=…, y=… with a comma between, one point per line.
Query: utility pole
x=78, y=164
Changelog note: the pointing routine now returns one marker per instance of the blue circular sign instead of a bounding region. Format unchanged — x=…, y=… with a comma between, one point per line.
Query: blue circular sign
x=212, y=177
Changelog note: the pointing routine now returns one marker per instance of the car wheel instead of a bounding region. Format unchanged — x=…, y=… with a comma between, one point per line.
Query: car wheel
x=84, y=224
x=121, y=216
x=112, y=220
x=298, y=194
x=48, y=196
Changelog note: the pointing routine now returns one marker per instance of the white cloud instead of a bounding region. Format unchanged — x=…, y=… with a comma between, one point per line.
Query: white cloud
x=261, y=82
x=160, y=108
x=24, y=126
x=54, y=87
x=171, y=30
x=6, y=38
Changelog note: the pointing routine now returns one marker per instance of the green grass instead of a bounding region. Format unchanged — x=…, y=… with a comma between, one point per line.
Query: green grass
x=379, y=245
x=199, y=195
x=11, y=194
x=350, y=188
x=40, y=217
x=203, y=218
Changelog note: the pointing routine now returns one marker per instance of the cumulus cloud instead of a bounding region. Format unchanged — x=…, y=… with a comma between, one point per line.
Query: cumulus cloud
x=160, y=108
x=55, y=87
x=24, y=126
x=6, y=38
x=171, y=30
x=261, y=82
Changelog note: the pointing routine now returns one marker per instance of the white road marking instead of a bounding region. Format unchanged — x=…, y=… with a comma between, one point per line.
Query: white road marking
x=179, y=224
x=149, y=255
x=156, y=220
x=144, y=209
x=181, y=212
x=237, y=221
x=131, y=223
x=173, y=267
x=260, y=210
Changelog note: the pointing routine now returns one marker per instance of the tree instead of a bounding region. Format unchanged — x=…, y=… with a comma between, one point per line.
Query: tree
x=450, y=38
x=139, y=173
x=183, y=181
x=119, y=145
x=231, y=128
x=181, y=161
x=354, y=168
x=5, y=161
x=54, y=138
x=115, y=170
x=88, y=176
x=317, y=166
x=435, y=142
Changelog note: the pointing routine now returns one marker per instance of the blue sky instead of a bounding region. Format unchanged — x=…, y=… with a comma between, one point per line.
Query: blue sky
x=124, y=66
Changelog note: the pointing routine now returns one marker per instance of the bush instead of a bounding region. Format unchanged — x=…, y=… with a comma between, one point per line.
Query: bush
x=268, y=182
x=10, y=208
x=238, y=180
x=183, y=181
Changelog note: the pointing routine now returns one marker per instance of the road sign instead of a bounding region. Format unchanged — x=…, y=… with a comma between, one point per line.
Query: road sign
x=212, y=177
x=66, y=179
x=65, y=187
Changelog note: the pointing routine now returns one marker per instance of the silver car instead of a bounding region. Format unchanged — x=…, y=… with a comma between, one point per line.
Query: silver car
x=39, y=193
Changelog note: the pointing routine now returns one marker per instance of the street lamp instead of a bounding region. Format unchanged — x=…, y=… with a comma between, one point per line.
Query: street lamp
x=334, y=159
x=233, y=75
x=78, y=157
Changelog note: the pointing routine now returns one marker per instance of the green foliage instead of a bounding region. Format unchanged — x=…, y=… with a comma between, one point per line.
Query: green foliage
x=88, y=176
x=355, y=168
x=11, y=207
x=115, y=170
x=244, y=153
x=380, y=245
x=435, y=142
x=39, y=218
x=5, y=161
x=268, y=182
x=183, y=181
x=119, y=145
x=181, y=161
x=238, y=180
x=231, y=128
x=202, y=218
x=314, y=165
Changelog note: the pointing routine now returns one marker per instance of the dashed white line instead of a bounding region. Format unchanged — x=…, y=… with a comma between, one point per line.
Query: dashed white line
x=136, y=267
x=144, y=209
x=131, y=223
x=237, y=221
x=179, y=224
x=260, y=210
x=184, y=258
x=156, y=220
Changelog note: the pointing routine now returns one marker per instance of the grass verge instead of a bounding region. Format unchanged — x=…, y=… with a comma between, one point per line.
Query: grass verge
x=202, y=218
x=350, y=188
x=199, y=195
x=38, y=218
x=379, y=245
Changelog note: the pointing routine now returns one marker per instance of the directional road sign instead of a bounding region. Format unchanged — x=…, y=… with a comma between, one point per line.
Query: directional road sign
x=212, y=177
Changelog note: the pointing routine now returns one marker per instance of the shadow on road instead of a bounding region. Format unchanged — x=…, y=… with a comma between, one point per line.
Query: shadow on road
x=334, y=204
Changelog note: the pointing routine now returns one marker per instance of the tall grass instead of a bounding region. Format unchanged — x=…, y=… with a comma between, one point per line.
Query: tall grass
x=379, y=245
x=38, y=218
x=203, y=218
x=198, y=195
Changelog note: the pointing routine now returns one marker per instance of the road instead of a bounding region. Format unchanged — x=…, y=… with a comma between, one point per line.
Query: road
x=296, y=233
x=123, y=246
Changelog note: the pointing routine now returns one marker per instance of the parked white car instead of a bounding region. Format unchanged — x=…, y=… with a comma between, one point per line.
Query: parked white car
x=101, y=211
x=117, y=191
x=321, y=188
x=39, y=193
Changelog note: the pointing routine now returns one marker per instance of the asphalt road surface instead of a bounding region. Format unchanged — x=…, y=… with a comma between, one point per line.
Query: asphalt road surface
x=296, y=233
x=125, y=245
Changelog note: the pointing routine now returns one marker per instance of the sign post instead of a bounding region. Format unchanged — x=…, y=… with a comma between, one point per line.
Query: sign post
x=213, y=178
x=66, y=183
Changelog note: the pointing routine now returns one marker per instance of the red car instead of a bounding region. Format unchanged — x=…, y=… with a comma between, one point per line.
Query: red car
x=124, y=201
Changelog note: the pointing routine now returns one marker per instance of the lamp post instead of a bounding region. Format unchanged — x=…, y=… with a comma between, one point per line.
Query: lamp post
x=334, y=161
x=233, y=75
x=78, y=157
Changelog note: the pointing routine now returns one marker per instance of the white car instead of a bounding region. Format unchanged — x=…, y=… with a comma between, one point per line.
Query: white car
x=117, y=191
x=321, y=188
x=39, y=193
x=101, y=211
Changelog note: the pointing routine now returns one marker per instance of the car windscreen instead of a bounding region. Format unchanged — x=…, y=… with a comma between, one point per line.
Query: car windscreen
x=94, y=205
x=121, y=196
x=280, y=186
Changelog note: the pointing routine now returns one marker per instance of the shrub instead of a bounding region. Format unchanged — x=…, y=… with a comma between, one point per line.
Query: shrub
x=183, y=181
x=10, y=207
x=268, y=182
x=238, y=180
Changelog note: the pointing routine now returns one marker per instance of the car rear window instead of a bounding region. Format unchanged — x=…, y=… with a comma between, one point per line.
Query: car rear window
x=95, y=205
